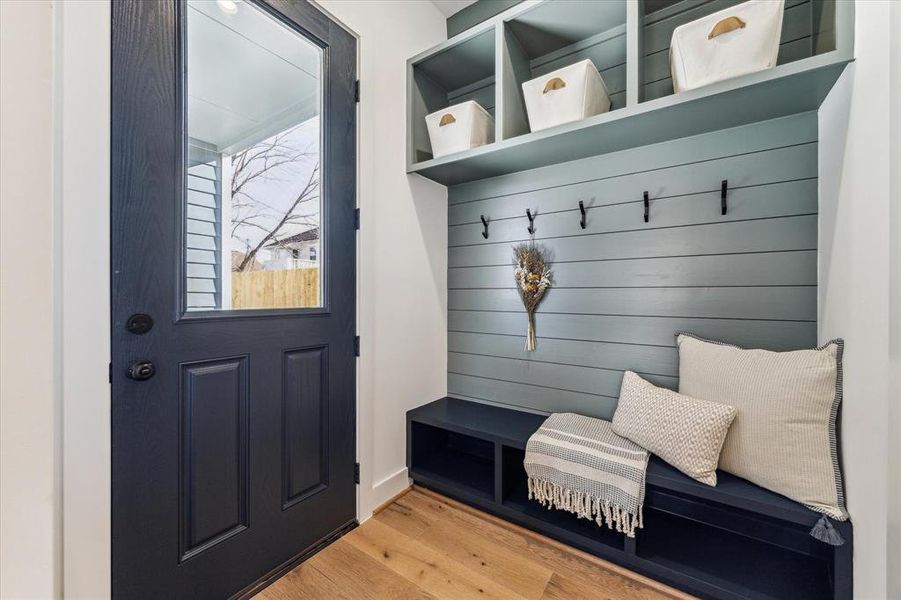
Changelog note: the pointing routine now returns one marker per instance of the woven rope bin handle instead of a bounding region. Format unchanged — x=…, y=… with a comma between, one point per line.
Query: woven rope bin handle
x=725, y=26
x=446, y=120
x=554, y=84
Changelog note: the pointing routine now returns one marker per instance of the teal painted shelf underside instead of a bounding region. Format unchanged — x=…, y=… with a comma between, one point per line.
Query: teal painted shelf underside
x=785, y=90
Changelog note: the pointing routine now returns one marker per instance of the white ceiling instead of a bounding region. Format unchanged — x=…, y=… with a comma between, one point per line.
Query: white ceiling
x=449, y=7
x=249, y=76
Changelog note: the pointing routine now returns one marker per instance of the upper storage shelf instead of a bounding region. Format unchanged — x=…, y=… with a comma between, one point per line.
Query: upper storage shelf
x=628, y=41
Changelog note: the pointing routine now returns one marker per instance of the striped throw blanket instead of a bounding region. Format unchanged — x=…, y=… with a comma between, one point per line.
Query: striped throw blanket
x=577, y=464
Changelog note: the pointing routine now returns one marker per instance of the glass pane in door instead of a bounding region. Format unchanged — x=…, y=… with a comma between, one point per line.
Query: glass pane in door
x=253, y=228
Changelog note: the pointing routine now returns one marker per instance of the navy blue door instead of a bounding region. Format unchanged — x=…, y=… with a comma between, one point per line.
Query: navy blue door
x=233, y=292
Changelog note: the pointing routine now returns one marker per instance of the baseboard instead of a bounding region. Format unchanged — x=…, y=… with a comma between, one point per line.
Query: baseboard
x=383, y=491
x=272, y=576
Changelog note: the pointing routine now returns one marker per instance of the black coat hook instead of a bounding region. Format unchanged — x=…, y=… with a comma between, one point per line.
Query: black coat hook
x=485, y=224
x=582, y=210
x=531, y=221
x=647, y=207
x=724, y=187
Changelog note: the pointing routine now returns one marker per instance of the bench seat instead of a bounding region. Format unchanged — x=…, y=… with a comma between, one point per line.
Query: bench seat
x=735, y=540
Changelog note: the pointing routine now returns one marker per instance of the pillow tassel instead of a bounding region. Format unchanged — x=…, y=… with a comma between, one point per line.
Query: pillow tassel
x=826, y=533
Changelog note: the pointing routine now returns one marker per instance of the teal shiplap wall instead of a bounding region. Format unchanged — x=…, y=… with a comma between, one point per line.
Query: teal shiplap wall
x=622, y=287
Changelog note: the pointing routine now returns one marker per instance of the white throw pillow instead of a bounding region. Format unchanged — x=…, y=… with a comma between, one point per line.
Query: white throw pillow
x=686, y=432
x=784, y=436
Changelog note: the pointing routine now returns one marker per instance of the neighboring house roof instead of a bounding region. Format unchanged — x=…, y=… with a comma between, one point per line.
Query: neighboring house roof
x=238, y=258
x=310, y=235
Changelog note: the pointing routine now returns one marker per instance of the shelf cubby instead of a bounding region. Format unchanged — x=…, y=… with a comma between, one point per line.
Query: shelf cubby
x=628, y=40
x=451, y=458
x=553, y=35
x=743, y=566
x=461, y=71
x=515, y=496
x=808, y=29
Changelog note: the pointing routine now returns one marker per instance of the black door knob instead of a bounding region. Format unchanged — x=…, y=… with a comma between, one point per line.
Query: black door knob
x=141, y=370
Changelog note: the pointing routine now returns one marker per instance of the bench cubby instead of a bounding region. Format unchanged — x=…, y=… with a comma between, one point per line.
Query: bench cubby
x=735, y=540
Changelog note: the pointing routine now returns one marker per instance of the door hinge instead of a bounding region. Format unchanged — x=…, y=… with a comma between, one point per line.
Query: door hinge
x=356, y=345
x=357, y=90
x=357, y=473
x=357, y=219
x=109, y=372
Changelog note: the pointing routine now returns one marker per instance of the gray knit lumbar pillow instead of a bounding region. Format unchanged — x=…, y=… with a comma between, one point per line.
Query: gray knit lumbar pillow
x=784, y=435
x=686, y=432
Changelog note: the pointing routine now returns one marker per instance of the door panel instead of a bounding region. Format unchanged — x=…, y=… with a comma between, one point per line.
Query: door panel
x=213, y=449
x=305, y=425
x=235, y=453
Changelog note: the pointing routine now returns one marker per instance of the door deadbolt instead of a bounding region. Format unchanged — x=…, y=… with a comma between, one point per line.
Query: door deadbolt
x=141, y=370
x=139, y=324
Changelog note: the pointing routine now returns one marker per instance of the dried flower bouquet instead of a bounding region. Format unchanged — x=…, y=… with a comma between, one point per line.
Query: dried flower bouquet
x=533, y=277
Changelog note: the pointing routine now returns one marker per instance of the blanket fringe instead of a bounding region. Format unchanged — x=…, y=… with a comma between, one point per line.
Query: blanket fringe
x=585, y=506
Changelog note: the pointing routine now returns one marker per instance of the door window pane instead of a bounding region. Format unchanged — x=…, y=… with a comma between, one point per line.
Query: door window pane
x=253, y=229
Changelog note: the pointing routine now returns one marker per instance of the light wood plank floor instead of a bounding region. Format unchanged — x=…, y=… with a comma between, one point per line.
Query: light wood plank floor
x=423, y=545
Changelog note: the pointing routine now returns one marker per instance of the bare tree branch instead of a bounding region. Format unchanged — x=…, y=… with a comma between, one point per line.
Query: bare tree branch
x=305, y=195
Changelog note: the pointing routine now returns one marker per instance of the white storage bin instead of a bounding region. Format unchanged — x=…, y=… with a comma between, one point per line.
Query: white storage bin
x=568, y=94
x=735, y=41
x=459, y=127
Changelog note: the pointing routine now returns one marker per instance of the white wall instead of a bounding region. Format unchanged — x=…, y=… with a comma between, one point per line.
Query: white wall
x=82, y=100
x=855, y=274
x=894, y=436
x=402, y=284
x=29, y=425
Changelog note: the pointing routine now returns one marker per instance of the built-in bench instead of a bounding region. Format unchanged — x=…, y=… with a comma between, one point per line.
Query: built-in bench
x=735, y=540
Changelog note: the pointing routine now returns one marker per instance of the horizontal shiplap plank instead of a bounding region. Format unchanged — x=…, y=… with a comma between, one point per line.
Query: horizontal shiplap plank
x=765, y=235
x=658, y=360
x=776, y=133
x=769, y=303
x=770, y=268
x=657, y=331
x=207, y=257
x=604, y=50
x=759, y=168
x=757, y=202
x=529, y=396
x=786, y=164
x=572, y=378
x=483, y=95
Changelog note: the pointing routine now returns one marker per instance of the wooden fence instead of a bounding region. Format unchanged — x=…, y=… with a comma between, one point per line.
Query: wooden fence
x=276, y=289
